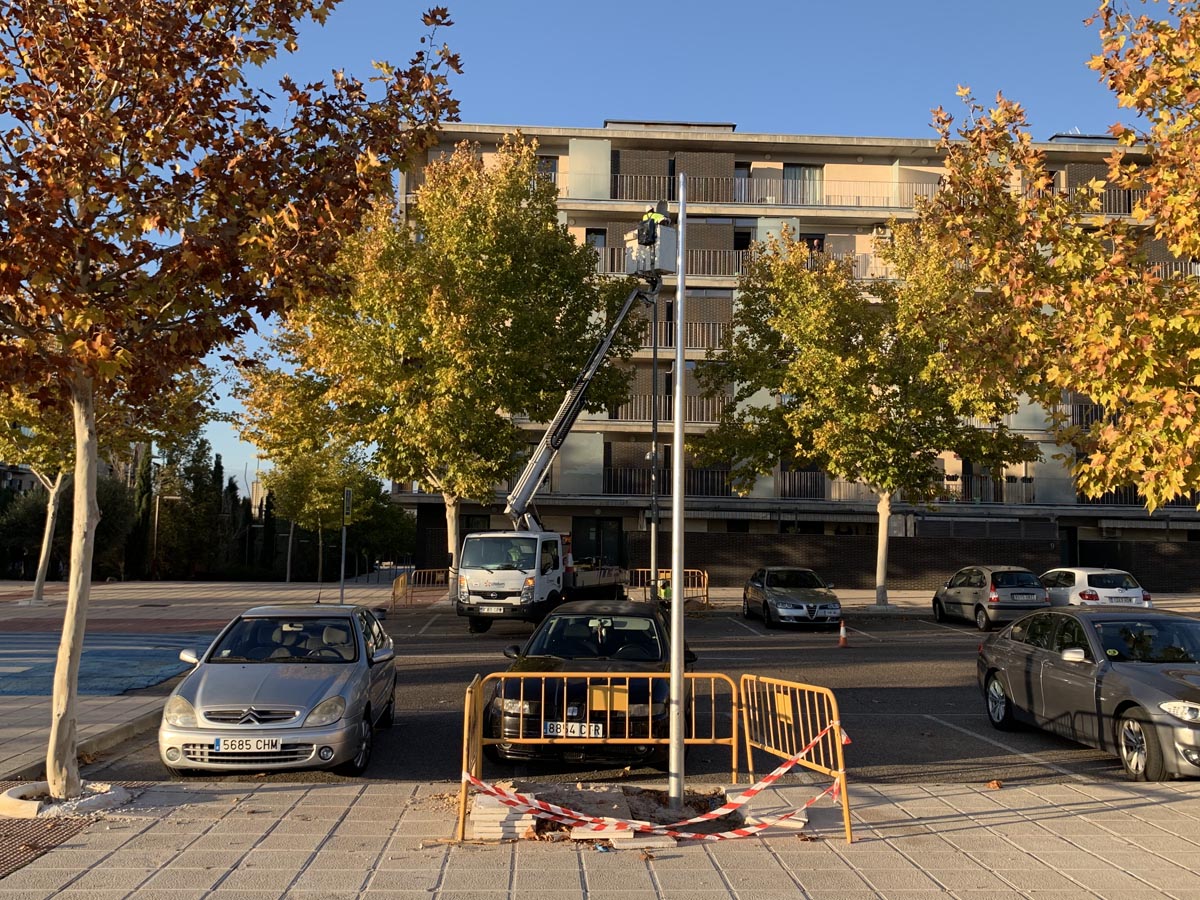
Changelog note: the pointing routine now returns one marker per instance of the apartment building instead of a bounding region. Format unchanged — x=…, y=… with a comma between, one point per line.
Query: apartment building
x=837, y=194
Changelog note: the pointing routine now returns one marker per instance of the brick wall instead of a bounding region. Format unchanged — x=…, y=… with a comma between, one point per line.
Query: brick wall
x=715, y=171
x=1167, y=566
x=848, y=561
x=703, y=236
x=655, y=163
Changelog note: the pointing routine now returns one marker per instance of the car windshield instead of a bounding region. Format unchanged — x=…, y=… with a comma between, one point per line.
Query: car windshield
x=1150, y=640
x=1015, y=580
x=598, y=637
x=1113, y=581
x=499, y=552
x=793, y=578
x=280, y=639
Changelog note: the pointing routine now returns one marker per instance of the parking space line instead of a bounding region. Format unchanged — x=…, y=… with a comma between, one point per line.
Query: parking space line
x=950, y=628
x=432, y=619
x=753, y=631
x=1007, y=749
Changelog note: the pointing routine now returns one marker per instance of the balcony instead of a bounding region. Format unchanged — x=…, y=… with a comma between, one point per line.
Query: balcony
x=1129, y=496
x=775, y=191
x=731, y=263
x=696, y=410
x=696, y=482
x=974, y=489
x=696, y=335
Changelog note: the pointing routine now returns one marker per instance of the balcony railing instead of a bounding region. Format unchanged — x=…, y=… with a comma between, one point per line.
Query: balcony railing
x=803, y=485
x=696, y=335
x=698, y=410
x=696, y=482
x=1129, y=496
x=775, y=191
x=973, y=489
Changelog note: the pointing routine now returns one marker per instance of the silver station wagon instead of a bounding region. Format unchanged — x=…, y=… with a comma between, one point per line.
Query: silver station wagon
x=283, y=687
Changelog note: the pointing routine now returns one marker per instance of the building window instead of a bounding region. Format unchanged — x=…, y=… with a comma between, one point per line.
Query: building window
x=738, y=526
x=547, y=166
x=803, y=185
x=597, y=238
x=741, y=182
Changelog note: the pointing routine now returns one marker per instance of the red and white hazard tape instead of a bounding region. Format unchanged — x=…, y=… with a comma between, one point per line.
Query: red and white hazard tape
x=553, y=813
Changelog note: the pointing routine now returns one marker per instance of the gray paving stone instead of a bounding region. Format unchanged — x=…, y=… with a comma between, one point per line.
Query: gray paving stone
x=888, y=880
x=1037, y=879
x=269, y=858
x=354, y=860
x=105, y=878
x=257, y=880
x=681, y=878
x=200, y=858
x=330, y=880
x=177, y=879
x=433, y=858
x=153, y=894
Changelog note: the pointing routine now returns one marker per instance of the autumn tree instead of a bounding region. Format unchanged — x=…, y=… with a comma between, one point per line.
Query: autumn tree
x=152, y=202
x=823, y=374
x=1068, y=300
x=477, y=311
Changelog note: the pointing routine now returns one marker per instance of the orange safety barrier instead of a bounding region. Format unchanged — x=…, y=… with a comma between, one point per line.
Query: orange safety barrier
x=605, y=715
x=419, y=587
x=783, y=718
x=695, y=585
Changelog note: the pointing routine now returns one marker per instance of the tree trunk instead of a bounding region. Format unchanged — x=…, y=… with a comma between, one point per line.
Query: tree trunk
x=62, y=762
x=320, y=553
x=287, y=578
x=453, y=504
x=881, y=549
x=54, y=491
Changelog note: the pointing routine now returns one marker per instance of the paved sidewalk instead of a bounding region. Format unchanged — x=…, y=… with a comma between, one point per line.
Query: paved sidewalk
x=327, y=841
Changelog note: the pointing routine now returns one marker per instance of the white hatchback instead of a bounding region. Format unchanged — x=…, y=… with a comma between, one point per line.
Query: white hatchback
x=1086, y=586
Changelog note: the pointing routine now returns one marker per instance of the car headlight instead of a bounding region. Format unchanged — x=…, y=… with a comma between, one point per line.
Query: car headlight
x=464, y=589
x=1182, y=709
x=515, y=706
x=527, y=590
x=178, y=713
x=326, y=712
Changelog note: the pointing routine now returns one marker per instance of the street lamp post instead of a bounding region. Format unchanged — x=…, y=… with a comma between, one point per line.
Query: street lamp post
x=654, y=594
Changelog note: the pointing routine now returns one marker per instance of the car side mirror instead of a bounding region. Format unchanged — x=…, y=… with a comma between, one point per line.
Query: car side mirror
x=1074, y=655
x=189, y=656
x=947, y=584
x=829, y=585
x=383, y=654
x=512, y=651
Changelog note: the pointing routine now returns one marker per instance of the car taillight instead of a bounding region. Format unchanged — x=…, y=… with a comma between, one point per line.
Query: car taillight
x=1146, y=597
x=1089, y=596
x=993, y=597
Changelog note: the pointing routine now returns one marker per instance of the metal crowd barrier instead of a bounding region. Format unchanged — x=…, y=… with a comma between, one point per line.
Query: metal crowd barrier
x=610, y=711
x=419, y=587
x=695, y=584
x=782, y=718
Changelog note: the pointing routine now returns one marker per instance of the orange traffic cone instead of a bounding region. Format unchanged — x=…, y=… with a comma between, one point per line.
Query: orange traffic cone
x=842, y=642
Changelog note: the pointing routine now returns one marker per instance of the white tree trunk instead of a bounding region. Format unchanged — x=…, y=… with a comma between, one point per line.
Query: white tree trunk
x=287, y=578
x=62, y=763
x=453, y=505
x=54, y=491
x=881, y=549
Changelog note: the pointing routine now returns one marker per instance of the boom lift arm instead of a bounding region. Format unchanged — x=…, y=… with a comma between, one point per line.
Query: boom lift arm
x=519, y=499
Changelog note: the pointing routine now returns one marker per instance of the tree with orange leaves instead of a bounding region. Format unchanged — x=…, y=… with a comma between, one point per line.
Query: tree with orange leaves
x=152, y=203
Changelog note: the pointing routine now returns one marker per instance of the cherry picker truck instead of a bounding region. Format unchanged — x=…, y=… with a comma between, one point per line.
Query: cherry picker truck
x=525, y=572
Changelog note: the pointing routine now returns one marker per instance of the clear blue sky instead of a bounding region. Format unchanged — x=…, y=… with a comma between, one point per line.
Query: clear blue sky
x=864, y=68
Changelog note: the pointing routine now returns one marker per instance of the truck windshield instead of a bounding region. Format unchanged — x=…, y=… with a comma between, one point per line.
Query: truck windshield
x=498, y=551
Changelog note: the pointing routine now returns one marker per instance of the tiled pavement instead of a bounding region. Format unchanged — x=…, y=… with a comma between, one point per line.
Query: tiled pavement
x=262, y=842
x=330, y=841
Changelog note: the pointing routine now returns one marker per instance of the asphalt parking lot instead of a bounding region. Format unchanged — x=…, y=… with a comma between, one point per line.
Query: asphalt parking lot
x=905, y=686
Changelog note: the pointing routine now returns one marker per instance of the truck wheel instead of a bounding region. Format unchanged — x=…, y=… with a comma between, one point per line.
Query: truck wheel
x=478, y=624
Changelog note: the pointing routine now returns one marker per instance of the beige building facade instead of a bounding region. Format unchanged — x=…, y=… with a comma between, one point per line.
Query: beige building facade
x=838, y=194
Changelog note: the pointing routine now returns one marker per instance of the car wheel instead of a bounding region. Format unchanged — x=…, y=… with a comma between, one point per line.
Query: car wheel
x=1138, y=747
x=389, y=712
x=362, y=756
x=745, y=607
x=939, y=614
x=478, y=624
x=768, y=622
x=999, y=707
x=982, y=622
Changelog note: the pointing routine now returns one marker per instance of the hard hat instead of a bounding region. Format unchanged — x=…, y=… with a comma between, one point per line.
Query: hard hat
x=649, y=207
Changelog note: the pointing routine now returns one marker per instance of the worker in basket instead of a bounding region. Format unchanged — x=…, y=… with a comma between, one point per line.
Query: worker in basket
x=655, y=216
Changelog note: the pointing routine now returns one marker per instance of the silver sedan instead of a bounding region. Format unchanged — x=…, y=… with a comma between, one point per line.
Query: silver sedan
x=283, y=687
x=1122, y=680
x=787, y=594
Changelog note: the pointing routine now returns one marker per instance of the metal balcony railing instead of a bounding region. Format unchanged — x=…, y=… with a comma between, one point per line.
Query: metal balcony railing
x=761, y=191
x=1129, y=496
x=696, y=335
x=697, y=410
x=803, y=485
x=696, y=482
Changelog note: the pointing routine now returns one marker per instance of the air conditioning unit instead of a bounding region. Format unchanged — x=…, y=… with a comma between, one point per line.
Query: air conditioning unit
x=1110, y=532
x=882, y=232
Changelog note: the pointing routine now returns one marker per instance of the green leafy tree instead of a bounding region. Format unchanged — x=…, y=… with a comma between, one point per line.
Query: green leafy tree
x=824, y=374
x=480, y=309
x=151, y=202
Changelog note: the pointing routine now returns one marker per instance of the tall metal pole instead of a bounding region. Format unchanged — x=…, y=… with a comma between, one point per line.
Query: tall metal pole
x=675, y=785
x=654, y=593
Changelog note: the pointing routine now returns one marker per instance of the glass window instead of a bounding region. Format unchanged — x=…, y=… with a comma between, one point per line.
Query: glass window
x=1015, y=579
x=1070, y=634
x=793, y=578
x=275, y=639
x=1037, y=631
x=1112, y=581
x=960, y=579
x=1150, y=640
